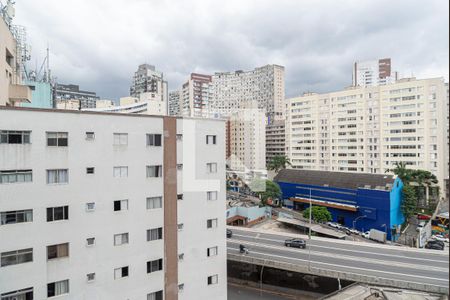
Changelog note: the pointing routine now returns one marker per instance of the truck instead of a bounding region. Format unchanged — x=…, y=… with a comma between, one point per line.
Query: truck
x=377, y=235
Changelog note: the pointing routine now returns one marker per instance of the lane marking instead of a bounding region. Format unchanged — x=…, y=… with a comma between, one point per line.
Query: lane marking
x=348, y=267
x=346, y=257
x=359, y=251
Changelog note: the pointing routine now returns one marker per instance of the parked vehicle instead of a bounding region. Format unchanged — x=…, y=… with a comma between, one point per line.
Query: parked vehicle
x=354, y=231
x=365, y=234
x=377, y=235
x=434, y=246
x=423, y=217
x=439, y=237
x=229, y=233
x=296, y=243
x=334, y=225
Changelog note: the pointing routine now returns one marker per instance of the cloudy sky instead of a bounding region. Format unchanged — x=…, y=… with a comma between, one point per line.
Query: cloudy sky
x=98, y=44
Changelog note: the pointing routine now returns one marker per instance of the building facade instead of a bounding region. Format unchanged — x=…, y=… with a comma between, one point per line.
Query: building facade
x=263, y=85
x=371, y=129
x=360, y=201
x=175, y=103
x=373, y=73
x=67, y=92
x=12, y=91
x=275, y=140
x=196, y=96
x=140, y=217
x=149, y=86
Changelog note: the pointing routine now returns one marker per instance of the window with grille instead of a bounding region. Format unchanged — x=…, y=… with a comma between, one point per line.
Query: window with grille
x=154, y=140
x=58, y=288
x=14, y=137
x=154, y=265
x=16, y=216
x=120, y=239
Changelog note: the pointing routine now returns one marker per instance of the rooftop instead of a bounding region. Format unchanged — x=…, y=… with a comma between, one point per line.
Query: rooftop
x=337, y=179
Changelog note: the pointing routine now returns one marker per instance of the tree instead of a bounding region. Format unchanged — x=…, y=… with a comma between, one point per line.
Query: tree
x=278, y=163
x=272, y=191
x=409, y=202
x=319, y=214
x=402, y=172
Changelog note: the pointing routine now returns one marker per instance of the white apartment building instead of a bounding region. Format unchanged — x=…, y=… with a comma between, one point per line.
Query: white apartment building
x=111, y=206
x=12, y=92
x=275, y=140
x=373, y=73
x=149, y=86
x=370, y=129
x=196, y=96
x=234, y=90
x=247, y=140
x=175, y=103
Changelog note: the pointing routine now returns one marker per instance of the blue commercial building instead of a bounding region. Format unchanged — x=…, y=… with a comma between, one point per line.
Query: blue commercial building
x=360, y=200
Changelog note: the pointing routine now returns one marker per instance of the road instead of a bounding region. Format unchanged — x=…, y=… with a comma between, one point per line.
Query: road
x=236, y=292
x=381, y=261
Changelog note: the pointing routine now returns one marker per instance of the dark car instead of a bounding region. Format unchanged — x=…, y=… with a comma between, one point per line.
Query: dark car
x=229, y=233
x=435, y=245
x=297, y=243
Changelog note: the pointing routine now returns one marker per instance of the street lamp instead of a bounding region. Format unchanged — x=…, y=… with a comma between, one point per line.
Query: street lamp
x=354, y=221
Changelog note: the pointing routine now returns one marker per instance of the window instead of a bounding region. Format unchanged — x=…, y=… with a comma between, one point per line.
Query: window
x=121, y=272
x=154, y=171
x=154, y=266
x=57, y=139
x=16, y=176
x=179, y=137
x=153, y=140
x=16, y=216
x=179, y=167
x=154, y=202
x=211, y=167
x=23, y=294
x=57, y=213
x=154, y=234
x=90, y=170
x=120, y=239
x=58, y=288
x=90, y=135
x=58, y=251
x=180, y=226
x=90, y=277
x=90, y=241
x=120, y=139
x=16, y=257
x=90, y=206
x=57, y=176
x=120, y=172
x=210, y=139
x=120, y=205
x=155, y=296
x=211, y=196
x=181, y=256
x=211, y=223
x=14, y=137
x=212, y=251
x=181, y=288
x=180, y=197
x=214, y=279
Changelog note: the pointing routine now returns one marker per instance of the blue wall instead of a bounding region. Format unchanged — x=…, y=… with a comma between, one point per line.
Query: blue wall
x=379, y=207
x=41, y=94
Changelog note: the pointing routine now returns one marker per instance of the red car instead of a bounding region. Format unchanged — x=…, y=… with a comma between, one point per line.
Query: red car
x=423, y=217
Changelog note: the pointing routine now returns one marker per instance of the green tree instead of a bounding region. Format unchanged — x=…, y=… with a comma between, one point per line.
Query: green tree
x=402, y=172
x=409, y=202
x=278, y=163
x=271, y=191
x=319, y=214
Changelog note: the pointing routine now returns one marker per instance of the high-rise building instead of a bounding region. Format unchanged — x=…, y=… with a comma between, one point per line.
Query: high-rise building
x=275, y=140
x=371, y=129
x=65, y=92
x=140, y=217
x=263, y=85
x=373, y=73
x=196, y=96
x=175, y=103
x=12, y=91
x=247, y=137
x=149, y=86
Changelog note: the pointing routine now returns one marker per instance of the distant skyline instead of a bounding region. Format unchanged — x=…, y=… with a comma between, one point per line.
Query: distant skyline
x=99, y=44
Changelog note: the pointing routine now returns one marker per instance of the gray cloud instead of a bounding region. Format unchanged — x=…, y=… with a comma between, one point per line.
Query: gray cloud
x=99, y=44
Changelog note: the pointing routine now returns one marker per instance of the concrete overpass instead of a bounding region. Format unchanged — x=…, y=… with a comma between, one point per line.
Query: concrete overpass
x=418, y=269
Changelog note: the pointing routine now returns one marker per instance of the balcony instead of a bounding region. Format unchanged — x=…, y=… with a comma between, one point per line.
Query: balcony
x=19, y=93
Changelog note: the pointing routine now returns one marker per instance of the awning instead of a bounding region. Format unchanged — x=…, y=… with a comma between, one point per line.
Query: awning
x=326, y=204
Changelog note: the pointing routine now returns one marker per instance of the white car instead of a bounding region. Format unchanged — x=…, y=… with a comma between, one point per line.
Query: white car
x=354, y=231
x=365, y=234
x=334, y=225
x=439, y=237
